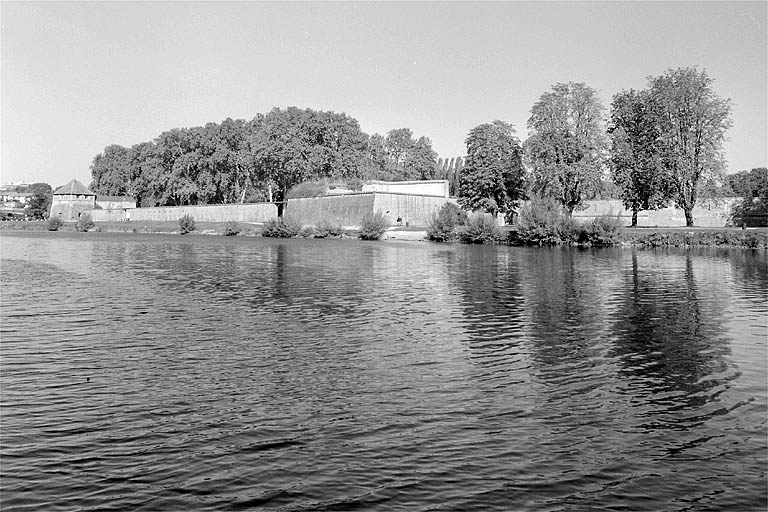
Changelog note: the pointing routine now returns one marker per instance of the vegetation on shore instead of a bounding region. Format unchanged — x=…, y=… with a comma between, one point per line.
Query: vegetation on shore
x=641, y=237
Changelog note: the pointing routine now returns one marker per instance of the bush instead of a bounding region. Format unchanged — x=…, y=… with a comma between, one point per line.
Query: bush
x=231, y=229
x=283, y=227
x=186, y=224
x=480, y=229
x=604, y=230
x=541, y=221
x=84, y=223
x=54, y=223
x=441, y=227
x=325, y=228
x=373, y=226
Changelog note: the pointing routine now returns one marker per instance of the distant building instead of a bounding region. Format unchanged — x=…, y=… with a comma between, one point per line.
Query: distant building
x=12, y=199
x=71, y=200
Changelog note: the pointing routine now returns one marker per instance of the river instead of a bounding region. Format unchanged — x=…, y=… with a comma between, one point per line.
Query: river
x=160, y=372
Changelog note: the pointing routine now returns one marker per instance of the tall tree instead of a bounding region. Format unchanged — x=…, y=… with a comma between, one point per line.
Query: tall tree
x=692, y=121
x=567, y=143
x=493, y=176
x=752, y=187
x=39, y=204
x=109, y=171
x=635, y=160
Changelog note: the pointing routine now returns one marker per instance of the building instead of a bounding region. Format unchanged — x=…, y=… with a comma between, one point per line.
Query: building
x=71, y=200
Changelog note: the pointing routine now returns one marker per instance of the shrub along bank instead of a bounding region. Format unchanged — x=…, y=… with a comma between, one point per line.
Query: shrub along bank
x=644, y=237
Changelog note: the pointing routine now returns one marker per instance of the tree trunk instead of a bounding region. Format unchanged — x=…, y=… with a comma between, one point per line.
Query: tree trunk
x=688, y=217
x=634, y=218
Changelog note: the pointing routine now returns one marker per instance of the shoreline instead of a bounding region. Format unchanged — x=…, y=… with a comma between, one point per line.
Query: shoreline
x=678, y=236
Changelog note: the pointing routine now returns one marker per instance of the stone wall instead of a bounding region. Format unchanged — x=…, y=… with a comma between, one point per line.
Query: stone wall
x=69, y=207
x=348, y=210
x=706, y=214
x=111, y=215
x=412, y=209
x=343, y=210
x=422, y=187
x=254, y=212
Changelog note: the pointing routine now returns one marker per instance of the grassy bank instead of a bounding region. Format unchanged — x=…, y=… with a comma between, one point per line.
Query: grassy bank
x=752, y=238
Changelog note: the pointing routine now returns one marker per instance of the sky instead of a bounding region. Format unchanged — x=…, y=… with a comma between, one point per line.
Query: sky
x=76, y=77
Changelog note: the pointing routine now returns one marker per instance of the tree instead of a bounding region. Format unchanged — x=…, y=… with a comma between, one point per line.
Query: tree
x=293, y=146
x=692, y=121
x=493, y=177
x=39, y=205
x=400, y=157
x=752, y=186
x=110, y=173
x=635, y=160
x=567, y=143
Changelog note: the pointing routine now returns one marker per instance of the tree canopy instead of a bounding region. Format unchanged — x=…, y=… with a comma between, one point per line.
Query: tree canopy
x=257, y=160
x=493, y=175
x=635, y=156
x=691, y=121
x=567, y=143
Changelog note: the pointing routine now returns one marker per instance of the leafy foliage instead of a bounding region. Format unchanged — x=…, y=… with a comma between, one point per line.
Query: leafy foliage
x=282, y=227
x=441, y=227
x=541, y=221
x=399, y=156
x=567, y=143
x=325, y=228
x=186, y=224
x=752, y=186
x=39, y=204
x=691, y=121
x=493, y=176
x=606, y=230
x=480, y=229
x=232, y=228
x=84, y=222
x=373, y=226
x=635, y=159
x=54, y=223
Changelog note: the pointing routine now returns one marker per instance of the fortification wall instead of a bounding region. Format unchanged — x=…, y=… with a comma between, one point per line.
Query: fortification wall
x=412, y=209
x=111, y=215
x=422, y=187
x=348, y=210
x=706, y=214
x=258, y=212
x=343, y=210
x=68, y=208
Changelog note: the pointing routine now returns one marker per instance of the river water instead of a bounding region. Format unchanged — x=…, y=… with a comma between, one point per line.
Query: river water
x=153, y=372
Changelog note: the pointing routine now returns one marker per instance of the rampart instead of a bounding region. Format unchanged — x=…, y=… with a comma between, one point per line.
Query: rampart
x=421, y=187
x=714, y=213
x=254, y=212
x=348, y=210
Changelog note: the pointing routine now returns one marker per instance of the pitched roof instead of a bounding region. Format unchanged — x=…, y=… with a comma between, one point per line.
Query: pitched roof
x=73, y=187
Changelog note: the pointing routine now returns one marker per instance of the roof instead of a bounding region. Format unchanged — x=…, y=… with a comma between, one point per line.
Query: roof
x=74, y=187
x=115, y=198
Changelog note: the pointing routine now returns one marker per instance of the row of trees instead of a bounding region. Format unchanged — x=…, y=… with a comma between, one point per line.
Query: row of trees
x=257, y=160
x=662, y=144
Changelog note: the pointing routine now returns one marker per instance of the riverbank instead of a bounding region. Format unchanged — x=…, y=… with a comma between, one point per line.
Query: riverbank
x=751, y=238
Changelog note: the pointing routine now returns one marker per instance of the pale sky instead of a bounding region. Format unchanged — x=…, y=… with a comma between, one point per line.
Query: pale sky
x=76, y=77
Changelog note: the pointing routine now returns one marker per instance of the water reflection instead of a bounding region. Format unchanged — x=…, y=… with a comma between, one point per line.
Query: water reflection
x=298, y=375
x=666, y=332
